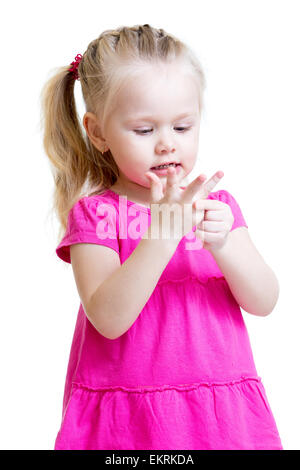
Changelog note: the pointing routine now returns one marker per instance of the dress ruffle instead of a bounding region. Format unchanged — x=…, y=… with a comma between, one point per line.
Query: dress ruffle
x=196, y=416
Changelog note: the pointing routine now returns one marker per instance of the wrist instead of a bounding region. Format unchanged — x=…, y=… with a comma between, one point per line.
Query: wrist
x=215, y=250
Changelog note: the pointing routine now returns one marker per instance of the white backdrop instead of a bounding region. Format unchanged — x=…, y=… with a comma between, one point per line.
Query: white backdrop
x=250, y=131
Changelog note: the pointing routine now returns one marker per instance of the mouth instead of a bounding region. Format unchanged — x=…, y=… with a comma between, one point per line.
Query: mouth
x=165, y=166
x=162, y=170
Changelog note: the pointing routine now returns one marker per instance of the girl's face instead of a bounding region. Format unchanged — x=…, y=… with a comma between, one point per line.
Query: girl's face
x=155, y=119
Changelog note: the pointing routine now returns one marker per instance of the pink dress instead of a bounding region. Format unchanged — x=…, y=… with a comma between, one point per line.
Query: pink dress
x=183, y=375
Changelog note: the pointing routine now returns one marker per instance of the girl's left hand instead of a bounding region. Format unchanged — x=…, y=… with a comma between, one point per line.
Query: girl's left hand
x=216, y=224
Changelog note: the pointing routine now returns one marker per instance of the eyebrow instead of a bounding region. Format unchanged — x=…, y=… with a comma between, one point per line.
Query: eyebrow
x=149, y=118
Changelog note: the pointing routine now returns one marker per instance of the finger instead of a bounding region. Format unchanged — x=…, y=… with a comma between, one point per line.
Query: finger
x=212, y=226
x=171, y=185
x=211, y=205
x=208, y=237
x=199, y=217
x=211, y=184
x=215, y=216
x=193, y=188
x=155, y=186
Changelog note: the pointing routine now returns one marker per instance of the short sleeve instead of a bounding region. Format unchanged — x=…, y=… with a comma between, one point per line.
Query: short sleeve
x=225, y=196
x=90, y=221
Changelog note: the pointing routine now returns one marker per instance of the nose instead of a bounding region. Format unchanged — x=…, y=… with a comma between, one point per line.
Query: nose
x=165, y=144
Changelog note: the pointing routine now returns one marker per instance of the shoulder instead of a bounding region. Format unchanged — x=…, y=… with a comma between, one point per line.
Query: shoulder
x=88, y=211
x=93, y=220
x=97, y=205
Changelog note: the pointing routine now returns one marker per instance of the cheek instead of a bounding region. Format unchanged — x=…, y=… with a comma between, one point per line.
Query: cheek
x=135, y=151
x=190, y=160
x=192, y=149
x=132, y=162
x=191, y=156
x=132, y=146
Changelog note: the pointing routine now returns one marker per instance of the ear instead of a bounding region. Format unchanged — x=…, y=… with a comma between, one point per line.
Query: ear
x=93, y=129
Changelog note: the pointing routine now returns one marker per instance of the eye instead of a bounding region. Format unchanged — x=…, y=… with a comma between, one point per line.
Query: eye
x=145, y=131
x=182, y=128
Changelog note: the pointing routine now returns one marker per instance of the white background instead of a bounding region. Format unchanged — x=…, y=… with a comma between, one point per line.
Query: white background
x=250, y=131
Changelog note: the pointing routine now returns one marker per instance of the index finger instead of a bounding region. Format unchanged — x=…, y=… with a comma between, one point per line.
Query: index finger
x=207, y=187
x=200, y=187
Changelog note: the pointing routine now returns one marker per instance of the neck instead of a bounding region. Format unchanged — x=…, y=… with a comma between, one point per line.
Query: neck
x=134, y=192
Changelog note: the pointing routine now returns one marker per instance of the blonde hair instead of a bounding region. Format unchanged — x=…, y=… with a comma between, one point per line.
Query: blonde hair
x=78, y=167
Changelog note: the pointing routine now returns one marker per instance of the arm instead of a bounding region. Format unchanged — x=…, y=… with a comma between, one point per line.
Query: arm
x=251, y=281
x=117, y=302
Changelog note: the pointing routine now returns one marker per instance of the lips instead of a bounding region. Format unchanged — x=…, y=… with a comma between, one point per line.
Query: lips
x=166, y=163
x=164, y=171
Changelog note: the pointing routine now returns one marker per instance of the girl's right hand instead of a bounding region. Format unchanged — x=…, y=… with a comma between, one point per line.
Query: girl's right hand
x=164, y=196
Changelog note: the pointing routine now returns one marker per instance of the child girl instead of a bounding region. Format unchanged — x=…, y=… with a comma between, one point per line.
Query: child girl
x=161, y=357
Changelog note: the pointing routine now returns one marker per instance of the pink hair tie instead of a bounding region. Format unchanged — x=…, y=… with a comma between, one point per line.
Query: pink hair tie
x=75, y=66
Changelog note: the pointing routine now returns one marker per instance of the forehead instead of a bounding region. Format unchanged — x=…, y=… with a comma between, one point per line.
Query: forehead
x=158, y=89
